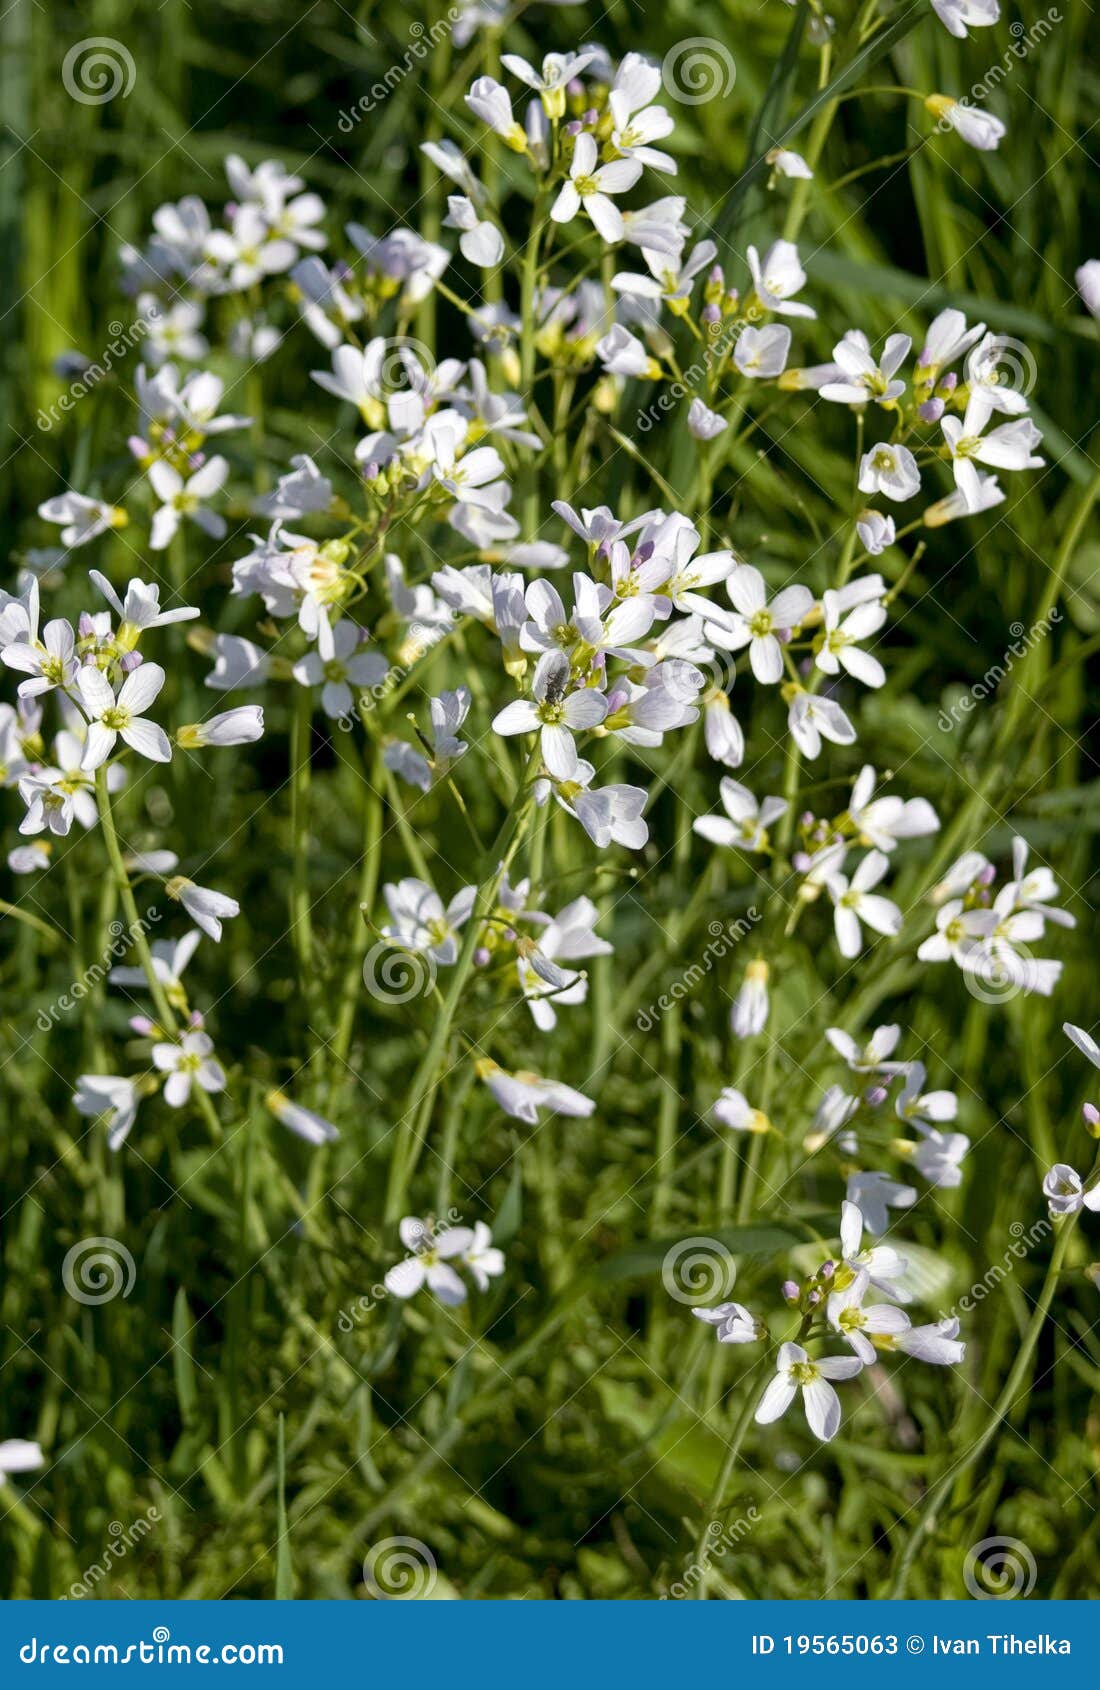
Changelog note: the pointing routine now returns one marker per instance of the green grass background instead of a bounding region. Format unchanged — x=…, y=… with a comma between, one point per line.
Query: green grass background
x=568, y=1452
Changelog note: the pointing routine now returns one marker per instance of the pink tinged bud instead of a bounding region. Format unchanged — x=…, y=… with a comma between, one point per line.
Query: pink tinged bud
x=789, y=1291
x=784, y=635
x=711, y=314
x=643, y=554
x=800, y=862
x=370, y=471
x=591, y=116
x=805, y=666
x=341, y=270
x=169, y=434
x=142, y=1026
x=1091, y=1115
x=987, y=876
x=717, y=275
x=874, y=1095
x=574, y=87
x=931, y=411
x=231, y=208
x=574, y=128
x=949, y=383
x=510, y=935
x=137, y=446
x=615, y=700
x=924, y=360
x=813, y=1299
x=482, y=956
x=195, y=1019
x=197, y=459
x=806, y=819
x=85, y=627
x=826, y=1270
x=130, y=661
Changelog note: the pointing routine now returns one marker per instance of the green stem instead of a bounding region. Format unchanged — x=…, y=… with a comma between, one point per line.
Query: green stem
x=301, y=728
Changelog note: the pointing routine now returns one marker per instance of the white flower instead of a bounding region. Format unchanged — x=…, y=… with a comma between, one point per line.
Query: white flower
x=1085, y=1042
x=170, y=958
x=881, y=1262
x=762, y=353
x=983, y=375
x=633, y=133
x=734, y=1323
x=889, y=470
x=875, y=531
x=956, y=14
x=881, y=822
x=140, y=609
x=855, y=902
x=18, y=1455
x=590, y=187
x=786, y=163
x=188, y=1061
x=491, y=102
x=419, y=922
x=1011, y=446
x=955, y=505
x=839, y=648
x=306, y=1123
x=924, y=1110
x=206, y=907
x=936, y=1343
x=1065, y=1192
x=622, y=354
x=350, y=664
x=871, y=1058
x=734, y=1110
x=110, y=1095
x=746, y=821
x=794, y=1372
x=778, y=276
x=758, y=624
x=237, y=663
x=875, y=1193
x=241, y=726
x=523, y=1094
x=83, y=519
x=848, y=1316
x=448, y=712
x=812, y=718
x=483, y=1259
x=549, y=81
x=960, y=935
x=976, y=127
x=749, y=1014
x=862, y=379
x=109, y=716
x=609, y=814
x=938, y=1157
x=671, y=277
x=553, y=714
x=1035, y=891
x=430, y=1265
x=480, y=242
x=1087, y=276
x=724, y=738
x=704, y=424
x=248, y=249
x=51, y=663
x=180, y=498
x=569, y=937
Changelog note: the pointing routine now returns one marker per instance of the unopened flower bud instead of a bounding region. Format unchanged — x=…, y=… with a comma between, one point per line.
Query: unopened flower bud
x=826, y=1270
x=789, y=1291
x=1092, y=1119
x=931, y=411
x=874, y=1096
